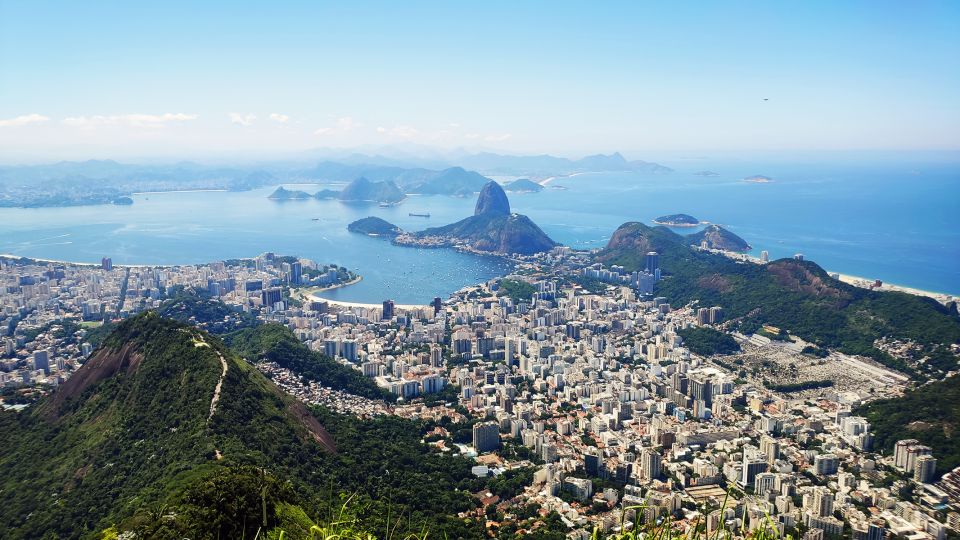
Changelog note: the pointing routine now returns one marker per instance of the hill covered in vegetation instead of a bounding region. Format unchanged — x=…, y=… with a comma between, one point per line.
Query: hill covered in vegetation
x=167, y=433
x=797, y=296
x=716, y=237
x=373, y=225
x=276, y=343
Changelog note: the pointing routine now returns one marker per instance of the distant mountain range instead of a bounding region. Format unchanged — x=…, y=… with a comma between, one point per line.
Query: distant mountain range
x=454, y=173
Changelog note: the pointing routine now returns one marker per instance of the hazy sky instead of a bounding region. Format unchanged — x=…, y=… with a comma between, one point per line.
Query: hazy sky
x=126, y=79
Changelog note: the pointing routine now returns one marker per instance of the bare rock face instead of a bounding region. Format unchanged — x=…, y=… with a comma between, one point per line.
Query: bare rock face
x=492, y=201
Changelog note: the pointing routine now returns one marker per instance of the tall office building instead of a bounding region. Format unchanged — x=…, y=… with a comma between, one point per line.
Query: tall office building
x=486, y=437
x=650, y=464
x=41, y=360
x=770, y=448
x=348, y=349
x=751, y=468
x=764, y=256
x=437, y=305
x=388, y=306
x=900, y=452
x=269, y=297
x=106, y=263
x=822, y=502
x=653, y=261
x=924, y=469
x=296, y=272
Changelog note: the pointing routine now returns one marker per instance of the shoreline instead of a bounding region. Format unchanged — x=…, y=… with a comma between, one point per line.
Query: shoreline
x=856, y=281
x=311, y=294
x=546, y=181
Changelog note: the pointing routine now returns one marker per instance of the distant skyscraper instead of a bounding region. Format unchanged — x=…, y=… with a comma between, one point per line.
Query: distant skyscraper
x=798, y=256
x=437, y=305
x=650, y=464
x=348, y=349
x=924, y=469
x=653, y=261
x=296, y=273
x=764, y=256
x=106, y=263
x=271, y=296
x=41, y=360
x=388, y=310
x=486, y=437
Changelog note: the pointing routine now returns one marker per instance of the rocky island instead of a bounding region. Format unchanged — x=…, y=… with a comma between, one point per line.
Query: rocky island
x=706, y=173
x=362, y=189
x=523, y=185
x=283, y=194
x=716, y=237
x=374, y=226
x=324, y=194
x=758, y=179
x=677, y=220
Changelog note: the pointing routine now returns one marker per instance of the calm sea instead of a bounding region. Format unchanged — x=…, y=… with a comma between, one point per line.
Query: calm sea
x=895, y=223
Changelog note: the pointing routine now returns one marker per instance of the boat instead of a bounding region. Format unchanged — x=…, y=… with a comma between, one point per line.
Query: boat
x=315, y=219
x=419, y=215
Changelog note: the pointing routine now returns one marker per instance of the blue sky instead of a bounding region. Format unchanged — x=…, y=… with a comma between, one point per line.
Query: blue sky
x=121, y=79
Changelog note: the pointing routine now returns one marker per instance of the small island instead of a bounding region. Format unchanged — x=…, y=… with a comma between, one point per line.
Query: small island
x=374, y=226
x=522, y=185
x=758, y=179
x=362, y=189
x=324, y=194
x=706, y=173
x=677, y=220
x=283, y=194
x=123, y=201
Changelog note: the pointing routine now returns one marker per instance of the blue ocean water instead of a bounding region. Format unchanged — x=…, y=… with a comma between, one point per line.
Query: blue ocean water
x=897, y=223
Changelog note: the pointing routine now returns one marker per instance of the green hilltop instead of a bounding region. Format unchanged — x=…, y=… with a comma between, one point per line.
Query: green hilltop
x=129, y=444
x=797, y=296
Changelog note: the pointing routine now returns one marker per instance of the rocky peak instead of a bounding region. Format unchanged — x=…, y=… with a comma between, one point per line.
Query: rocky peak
x=492, y=200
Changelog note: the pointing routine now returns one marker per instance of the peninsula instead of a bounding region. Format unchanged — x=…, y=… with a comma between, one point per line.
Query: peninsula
x=716, y=237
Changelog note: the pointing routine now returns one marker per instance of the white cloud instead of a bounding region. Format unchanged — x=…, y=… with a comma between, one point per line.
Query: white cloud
x=242, y=119
x=131, y=120
x=497, y=138
x=277, y=117
x=342, y=125
x=23, y=120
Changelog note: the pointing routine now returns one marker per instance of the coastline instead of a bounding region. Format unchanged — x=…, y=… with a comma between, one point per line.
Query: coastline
x=311, y=294
x=865, y=283
x=856, y=281
x=547, y=181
